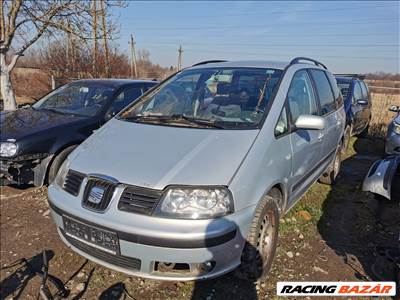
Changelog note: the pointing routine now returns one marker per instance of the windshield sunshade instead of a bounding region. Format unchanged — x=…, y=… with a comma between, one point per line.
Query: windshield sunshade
x=210, y=97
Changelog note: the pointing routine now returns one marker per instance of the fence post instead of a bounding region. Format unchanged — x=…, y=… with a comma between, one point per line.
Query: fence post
x=53, y=83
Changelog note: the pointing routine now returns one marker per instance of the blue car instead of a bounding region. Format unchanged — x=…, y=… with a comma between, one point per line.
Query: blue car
x=357, y=104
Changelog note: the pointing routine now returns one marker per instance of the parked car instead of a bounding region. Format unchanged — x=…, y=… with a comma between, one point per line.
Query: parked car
x=35, y=140
x=190, y=181
x=392, y=141
x=357, y=104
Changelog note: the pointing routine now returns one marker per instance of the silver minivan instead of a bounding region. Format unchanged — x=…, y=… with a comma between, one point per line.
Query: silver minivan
x=190, y=181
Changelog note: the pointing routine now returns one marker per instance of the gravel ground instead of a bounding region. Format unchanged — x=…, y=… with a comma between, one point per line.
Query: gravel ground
x=331, y=234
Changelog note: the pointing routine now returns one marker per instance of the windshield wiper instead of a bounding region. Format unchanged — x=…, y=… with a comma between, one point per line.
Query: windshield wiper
x=199, y=121
x=58, y=111
x=176, y=118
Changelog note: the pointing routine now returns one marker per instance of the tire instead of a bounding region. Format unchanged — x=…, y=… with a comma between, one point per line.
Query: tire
x=346, y=140
x=331, y=174
x=57, y=162
x=259, y=250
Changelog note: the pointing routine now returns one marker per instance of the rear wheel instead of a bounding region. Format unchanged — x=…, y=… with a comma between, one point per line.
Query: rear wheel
x=259, y=251
x=346, y=139
x=364, y=133
x=331, y=174
x=57, y=162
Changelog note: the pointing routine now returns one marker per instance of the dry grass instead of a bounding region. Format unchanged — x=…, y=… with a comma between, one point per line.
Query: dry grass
x=381, y=116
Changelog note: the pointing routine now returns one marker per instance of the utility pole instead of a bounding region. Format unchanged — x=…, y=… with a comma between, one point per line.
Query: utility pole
x=133, y=58
x=180, y=57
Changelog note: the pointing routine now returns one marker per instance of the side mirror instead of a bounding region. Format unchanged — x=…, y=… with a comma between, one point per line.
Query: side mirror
x=394, y=108
x=362, y=102
x=310, y=122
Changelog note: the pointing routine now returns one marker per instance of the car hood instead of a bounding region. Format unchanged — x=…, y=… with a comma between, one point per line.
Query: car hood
x=28, y=121
x=157, y=156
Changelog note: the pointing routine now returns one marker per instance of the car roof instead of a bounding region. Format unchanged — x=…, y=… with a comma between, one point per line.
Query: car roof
x=345, y=79
x=114, y=82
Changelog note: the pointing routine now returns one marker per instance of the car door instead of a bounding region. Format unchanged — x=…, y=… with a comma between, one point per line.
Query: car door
x=306, y=144
x=328, y=107
x=357, y=109
x=366, y=109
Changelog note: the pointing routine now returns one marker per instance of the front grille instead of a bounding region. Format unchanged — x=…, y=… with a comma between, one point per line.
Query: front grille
x=114, y=259
x=139, y=200
x=73, y=182
x=108, y=190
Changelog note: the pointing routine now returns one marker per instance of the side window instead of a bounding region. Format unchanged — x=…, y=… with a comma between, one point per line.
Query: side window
x=282, y=125
x=324, y=91
x=364, y=90
x=301, y=96
x=357, y=91
x=126, y=97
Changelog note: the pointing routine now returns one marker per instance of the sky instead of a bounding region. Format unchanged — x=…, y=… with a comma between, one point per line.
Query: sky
x=349, y=37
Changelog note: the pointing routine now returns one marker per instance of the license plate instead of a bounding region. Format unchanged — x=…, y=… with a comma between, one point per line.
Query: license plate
x=95, y=237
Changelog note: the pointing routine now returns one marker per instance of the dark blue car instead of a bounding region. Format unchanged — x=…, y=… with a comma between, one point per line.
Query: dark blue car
x=35, y=140
x=357, y=104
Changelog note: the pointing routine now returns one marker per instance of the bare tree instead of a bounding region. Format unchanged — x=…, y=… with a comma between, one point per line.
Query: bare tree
x=105, y=44
x=23, y=22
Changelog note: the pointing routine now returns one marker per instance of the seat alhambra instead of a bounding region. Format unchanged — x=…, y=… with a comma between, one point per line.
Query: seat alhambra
x=189, y=182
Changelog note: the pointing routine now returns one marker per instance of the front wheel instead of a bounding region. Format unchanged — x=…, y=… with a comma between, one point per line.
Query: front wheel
x=259, y=250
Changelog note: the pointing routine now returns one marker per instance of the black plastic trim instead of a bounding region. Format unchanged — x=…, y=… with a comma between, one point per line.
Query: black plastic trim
x=297, y=60
x=114, y=259
x=211, y=241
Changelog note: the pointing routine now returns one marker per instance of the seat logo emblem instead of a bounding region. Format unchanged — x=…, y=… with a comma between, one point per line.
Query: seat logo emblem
x=96, y=194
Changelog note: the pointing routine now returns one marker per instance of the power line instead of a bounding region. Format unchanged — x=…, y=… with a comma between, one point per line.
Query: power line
x=286, y=55
x=218, y=26
x=280, y=12
x=275, y=45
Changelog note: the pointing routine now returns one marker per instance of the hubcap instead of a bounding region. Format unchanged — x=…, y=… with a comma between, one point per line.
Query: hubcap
x=266, y=238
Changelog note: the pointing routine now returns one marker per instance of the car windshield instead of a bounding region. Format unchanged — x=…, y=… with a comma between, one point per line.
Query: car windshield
x=85, y=99
x=344, y=87
x=208, y=97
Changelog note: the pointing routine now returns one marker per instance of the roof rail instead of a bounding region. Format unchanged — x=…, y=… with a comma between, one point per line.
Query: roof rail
x=359, y=76
x=297, y=60
x=209, y=62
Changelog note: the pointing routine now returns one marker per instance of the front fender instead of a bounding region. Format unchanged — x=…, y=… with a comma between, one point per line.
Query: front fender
x=380, y=176
x=40, y=171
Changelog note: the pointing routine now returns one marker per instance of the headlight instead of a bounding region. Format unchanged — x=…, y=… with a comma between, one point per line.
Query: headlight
x=62, y=173
x=195, y=202
x=8, y=149
x=396, y=127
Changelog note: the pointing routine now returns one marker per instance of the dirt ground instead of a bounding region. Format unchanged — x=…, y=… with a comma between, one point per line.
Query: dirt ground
x=333, y=233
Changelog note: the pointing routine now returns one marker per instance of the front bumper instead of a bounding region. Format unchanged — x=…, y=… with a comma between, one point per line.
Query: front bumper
x=24, y=169
x=146, y=242
x=392, y=143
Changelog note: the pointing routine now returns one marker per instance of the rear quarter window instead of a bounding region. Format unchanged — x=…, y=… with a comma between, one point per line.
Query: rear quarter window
x=364, y=90
x=336, y=92
x=324, y=91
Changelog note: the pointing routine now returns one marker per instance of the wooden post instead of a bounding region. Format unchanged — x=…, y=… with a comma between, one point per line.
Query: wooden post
x=133, y=58
x=180, y=57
